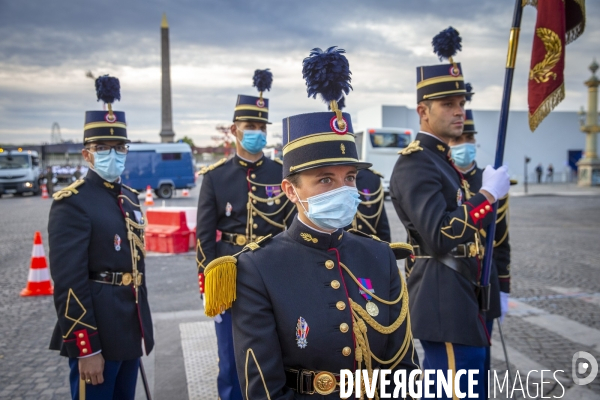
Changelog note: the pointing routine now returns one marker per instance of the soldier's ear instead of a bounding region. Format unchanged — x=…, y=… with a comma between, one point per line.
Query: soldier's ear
x=87, y=156
x=289, y=191
x=423, y=111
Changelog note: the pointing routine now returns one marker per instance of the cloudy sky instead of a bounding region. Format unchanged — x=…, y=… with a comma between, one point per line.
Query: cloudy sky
x=47, y=46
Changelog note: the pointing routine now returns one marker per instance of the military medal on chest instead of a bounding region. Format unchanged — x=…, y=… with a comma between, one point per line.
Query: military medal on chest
x=228, y=209
x=301, y=333
x=117, y=243
x=371, y=307
x=272, y=191
x=459, y=197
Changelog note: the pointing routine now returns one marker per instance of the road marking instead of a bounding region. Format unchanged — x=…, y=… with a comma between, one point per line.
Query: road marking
x=569, y=329
x=199, y=346
x=593, y=298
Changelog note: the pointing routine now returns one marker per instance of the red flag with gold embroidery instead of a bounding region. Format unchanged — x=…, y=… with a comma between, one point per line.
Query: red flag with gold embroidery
x=559, y=22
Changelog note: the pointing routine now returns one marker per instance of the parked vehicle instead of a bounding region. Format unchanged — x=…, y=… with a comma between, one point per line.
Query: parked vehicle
x=164, y=167
x=380, y=147
x=19, y=172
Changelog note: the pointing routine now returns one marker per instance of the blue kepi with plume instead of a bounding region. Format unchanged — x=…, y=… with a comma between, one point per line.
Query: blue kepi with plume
x=438, y=81
x=105, y=125
x=252, y=108
x=323, y=138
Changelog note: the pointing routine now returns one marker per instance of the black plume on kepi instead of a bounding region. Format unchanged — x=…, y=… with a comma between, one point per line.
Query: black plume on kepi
x=323, y=138
x=105, y=125
x=438, y=81
x=252, y=108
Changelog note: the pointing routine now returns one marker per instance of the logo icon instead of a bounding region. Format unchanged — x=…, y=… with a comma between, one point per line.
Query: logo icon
x=583, y=364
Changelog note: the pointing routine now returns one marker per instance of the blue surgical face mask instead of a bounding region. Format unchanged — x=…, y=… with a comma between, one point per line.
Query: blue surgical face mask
x=334, y=209
x=254, y=141
x=109, y=166
x=464, y=154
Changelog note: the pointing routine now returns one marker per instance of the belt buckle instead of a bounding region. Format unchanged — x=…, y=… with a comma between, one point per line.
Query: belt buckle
x=126, y=279
x=240, y=240
x=472, y=249
x=324, y=383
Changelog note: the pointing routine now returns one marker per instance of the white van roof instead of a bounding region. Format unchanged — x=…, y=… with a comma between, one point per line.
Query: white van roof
x=161, y=147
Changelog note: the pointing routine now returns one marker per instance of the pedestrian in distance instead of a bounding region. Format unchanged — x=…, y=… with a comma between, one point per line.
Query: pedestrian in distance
x=550, y=174
x=315, y=299
x=539, y=170
x=96, y=231
x=242, y=198
x=447, y=300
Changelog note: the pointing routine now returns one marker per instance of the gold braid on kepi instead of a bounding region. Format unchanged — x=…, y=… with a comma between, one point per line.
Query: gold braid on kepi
x=219, y=288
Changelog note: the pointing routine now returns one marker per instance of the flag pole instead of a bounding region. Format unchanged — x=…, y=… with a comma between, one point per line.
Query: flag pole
x=511, y=58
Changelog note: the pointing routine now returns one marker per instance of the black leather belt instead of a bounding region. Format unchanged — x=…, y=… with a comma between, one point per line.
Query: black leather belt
x=467, y=250
x=237, y=239
x=116, y=278
x=305, y=381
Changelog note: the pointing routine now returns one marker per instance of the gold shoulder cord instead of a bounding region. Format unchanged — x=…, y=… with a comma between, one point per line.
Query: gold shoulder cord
x=368, y=220
x=361, y=318
x=135, y=242
x=252, y=209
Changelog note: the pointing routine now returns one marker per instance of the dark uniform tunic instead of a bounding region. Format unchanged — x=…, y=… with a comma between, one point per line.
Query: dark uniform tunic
x=426, y=191
x=240, y=198
x=298, y=274
x=88, y=231
x=500, y=273
x=371, y=217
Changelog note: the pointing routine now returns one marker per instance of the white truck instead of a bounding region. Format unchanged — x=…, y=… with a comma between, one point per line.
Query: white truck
x=380, y=147
x=19, y=172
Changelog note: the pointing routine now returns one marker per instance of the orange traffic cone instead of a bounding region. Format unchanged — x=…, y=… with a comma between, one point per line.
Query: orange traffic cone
x=149, y=200
x=45, y=192
x=38, y=282
x=185, y=193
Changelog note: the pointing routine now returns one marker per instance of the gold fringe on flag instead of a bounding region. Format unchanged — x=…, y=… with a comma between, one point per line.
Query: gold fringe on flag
x=546, y=107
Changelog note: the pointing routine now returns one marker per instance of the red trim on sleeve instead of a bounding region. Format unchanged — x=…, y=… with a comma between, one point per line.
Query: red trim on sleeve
x=201, y=282
x=83, y=342
x=479, y=212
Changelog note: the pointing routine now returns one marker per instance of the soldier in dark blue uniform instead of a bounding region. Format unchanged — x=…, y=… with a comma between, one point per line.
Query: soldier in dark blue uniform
x=443, y=223
x=463, y=153
x=96, y=231
x=241, y=198
x=315, y=299
x=371, y=217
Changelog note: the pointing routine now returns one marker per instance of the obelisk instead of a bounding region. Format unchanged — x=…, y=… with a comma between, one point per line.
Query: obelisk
x=166, y=134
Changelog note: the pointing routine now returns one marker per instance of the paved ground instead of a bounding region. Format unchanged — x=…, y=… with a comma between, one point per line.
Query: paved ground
x=555, y=307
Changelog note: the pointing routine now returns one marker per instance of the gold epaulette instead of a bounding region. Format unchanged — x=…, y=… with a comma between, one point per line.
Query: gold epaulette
x=132, y=190
x=376, y=172
x=213, y=166
x=68, y=191
x=413, y=147
x=278, y=161
x=402, y=250
x=220, y=280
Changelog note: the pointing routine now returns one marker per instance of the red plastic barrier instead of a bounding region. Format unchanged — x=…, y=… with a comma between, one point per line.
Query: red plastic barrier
x=167, y=231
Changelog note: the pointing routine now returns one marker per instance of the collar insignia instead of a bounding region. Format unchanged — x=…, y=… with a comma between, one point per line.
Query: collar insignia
x=440, y=147
x=308, y=237
x=108, y=185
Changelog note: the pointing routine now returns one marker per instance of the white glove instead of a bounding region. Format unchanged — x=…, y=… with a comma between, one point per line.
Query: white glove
x=503, y=305
x=496, y=181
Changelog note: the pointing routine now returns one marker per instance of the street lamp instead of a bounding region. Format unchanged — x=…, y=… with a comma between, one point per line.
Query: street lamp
x=589, y=165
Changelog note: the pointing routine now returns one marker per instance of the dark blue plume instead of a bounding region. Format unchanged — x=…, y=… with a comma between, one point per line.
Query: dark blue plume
x=108, y=89
x=469, y=90
x=327, y=73
x=341, y=104
x=263, y=78
x=447, y=43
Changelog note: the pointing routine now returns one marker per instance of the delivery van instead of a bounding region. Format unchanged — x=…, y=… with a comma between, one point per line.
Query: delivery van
x=19, y=171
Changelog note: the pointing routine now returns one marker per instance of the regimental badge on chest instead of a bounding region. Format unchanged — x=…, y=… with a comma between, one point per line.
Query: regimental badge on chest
x=301, y=333
x=228, y=209
x=117, y=243
x=459, y=197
